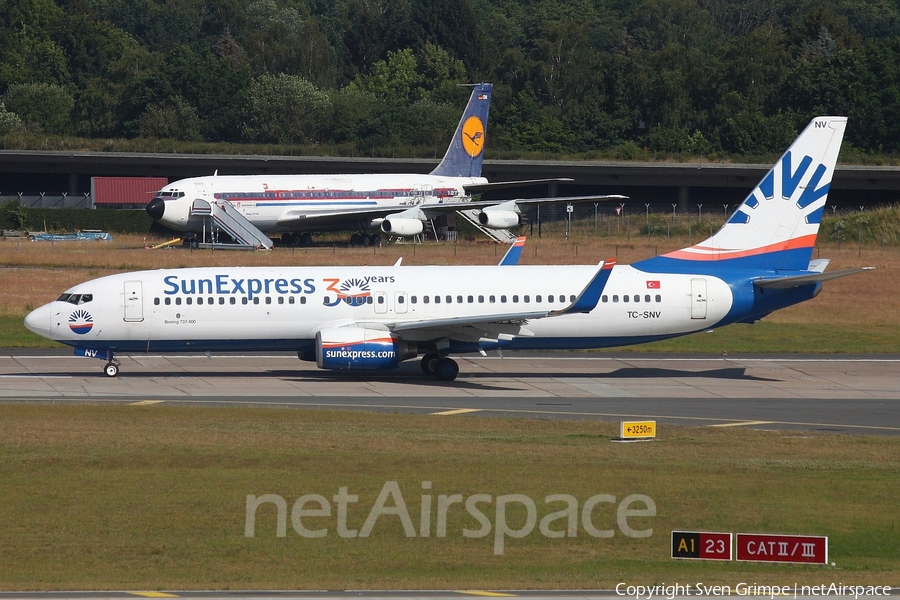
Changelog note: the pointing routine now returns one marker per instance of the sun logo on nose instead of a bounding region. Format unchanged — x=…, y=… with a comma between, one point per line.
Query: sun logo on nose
x=81, y=321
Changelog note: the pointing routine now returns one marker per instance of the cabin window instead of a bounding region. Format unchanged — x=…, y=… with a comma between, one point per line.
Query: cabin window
x=178, y=301
x=326, y=300
x=256, y=300
x=527, y=299
x=647, y=298
x=291, y=300
x=437, y=299
x=604, y=298
x=658, y=298
x=200, y=300
x=244, y=300
x=459, y=299
x=400, y=299
x=426, y=299
x=550, y=298
x=280, y=299
x=188, y=300
x=625, y=298
x=615, y=298
x=233, y=300
x=537, y=299
x=492, y=299
x=637, y=297
x=571, y=298
x=413, y=299
x=470, y=299
x=515, y=298
x=368, y=300
x=449, y=299
x=503, y=298
x=380, y=299
x=480, y=299
x=168, y=301
x=156, y=301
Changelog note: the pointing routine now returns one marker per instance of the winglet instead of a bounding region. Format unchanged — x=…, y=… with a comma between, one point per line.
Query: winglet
x=512, y=255
x=466, y=151
x=590, y=295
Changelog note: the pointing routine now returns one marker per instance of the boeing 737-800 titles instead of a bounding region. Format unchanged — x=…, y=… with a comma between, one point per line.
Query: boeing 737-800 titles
x=398, y=204
x=372, y=318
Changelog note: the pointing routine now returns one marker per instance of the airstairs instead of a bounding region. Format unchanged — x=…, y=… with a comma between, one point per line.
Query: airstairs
x=504, y=236
x=221, y=216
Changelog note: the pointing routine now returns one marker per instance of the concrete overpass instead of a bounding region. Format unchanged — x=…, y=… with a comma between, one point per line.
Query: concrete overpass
x=657, y=184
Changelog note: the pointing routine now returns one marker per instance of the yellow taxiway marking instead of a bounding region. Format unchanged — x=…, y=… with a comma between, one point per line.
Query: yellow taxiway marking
x=148, y=403
x=458, y=411
x=481, y=593
x=153, y=594
x=742, y=424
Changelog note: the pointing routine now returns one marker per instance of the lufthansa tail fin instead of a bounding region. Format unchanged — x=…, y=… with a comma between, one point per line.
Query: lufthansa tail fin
x=775, y=228
x=466, y=151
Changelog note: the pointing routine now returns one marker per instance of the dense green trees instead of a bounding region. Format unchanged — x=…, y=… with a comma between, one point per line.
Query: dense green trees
x=571, y=76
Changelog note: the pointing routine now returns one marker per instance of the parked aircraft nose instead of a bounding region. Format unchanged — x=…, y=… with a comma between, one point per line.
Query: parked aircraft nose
x=156, y=208
x=38, y=321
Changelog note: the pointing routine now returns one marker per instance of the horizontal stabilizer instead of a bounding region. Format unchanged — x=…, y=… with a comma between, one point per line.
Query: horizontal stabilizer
x=782, y=283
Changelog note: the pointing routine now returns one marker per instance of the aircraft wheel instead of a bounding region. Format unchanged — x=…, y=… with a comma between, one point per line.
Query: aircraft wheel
x=376, y=240
x=111, y=369
x=447, y=369
x=366, y=240
x=429, y=363
x=306, y=239
x=355, y=239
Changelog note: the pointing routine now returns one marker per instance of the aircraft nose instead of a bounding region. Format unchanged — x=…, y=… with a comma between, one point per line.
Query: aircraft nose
x=156, y=208
x=38, y=321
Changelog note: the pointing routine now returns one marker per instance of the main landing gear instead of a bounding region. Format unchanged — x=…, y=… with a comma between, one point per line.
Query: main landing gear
x=112, y=368
x=364, y=239
x=442, y=367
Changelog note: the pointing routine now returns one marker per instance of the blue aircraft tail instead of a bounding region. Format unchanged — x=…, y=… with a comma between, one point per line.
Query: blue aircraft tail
x=775, y=228
x=466, y=151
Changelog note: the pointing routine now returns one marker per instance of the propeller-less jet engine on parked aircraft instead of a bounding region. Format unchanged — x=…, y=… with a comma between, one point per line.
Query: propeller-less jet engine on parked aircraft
x=397, y=204
x=373, y=318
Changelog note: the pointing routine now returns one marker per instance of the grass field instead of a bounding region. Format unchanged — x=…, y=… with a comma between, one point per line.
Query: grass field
x=857, y=314
x=154, y=497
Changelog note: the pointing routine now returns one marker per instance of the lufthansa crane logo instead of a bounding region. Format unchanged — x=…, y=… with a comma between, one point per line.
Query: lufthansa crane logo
x=81, y=322
x=473, y=136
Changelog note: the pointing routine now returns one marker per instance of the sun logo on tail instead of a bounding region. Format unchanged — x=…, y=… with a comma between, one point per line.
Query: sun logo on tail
x=473, y=136
x=81, y=322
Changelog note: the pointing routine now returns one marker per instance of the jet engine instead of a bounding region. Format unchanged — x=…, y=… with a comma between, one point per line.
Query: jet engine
x=361, y=349
x=400, y=226
x=499, y=219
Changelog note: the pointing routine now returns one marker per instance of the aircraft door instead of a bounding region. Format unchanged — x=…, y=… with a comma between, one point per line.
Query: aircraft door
x=134, y=301
x=380, y=302
x=698, y=298
x=400, y=300
x=201, y=189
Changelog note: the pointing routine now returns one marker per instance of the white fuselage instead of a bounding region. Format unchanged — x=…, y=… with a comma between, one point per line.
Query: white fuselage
x=233, y=309
x=279, y=203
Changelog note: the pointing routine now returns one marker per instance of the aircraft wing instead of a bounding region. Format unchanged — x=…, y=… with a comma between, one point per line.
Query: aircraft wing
x=310, y=219
x=508, y=323
x=480, y=188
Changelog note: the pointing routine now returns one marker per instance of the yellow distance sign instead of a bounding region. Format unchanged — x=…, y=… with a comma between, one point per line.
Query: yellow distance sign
x=473, y=136
x=637, y=430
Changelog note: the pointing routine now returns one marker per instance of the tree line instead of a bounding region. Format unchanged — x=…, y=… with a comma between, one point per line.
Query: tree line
x=683, y=77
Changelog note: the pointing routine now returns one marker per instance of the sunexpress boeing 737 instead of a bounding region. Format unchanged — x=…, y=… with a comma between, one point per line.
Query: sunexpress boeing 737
x=399, y=204
x=373, y=318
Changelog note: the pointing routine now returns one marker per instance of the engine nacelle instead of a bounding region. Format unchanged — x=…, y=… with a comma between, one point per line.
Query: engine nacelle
x=360, y=349
x=401, y=226
x=499, y=219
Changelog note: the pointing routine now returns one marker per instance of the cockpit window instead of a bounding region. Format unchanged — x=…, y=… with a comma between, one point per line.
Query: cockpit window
x=170, y=194
x=76, y=298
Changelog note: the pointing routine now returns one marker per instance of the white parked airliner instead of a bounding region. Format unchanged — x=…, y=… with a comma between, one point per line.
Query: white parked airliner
x=398, y=204
x=375, y=317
